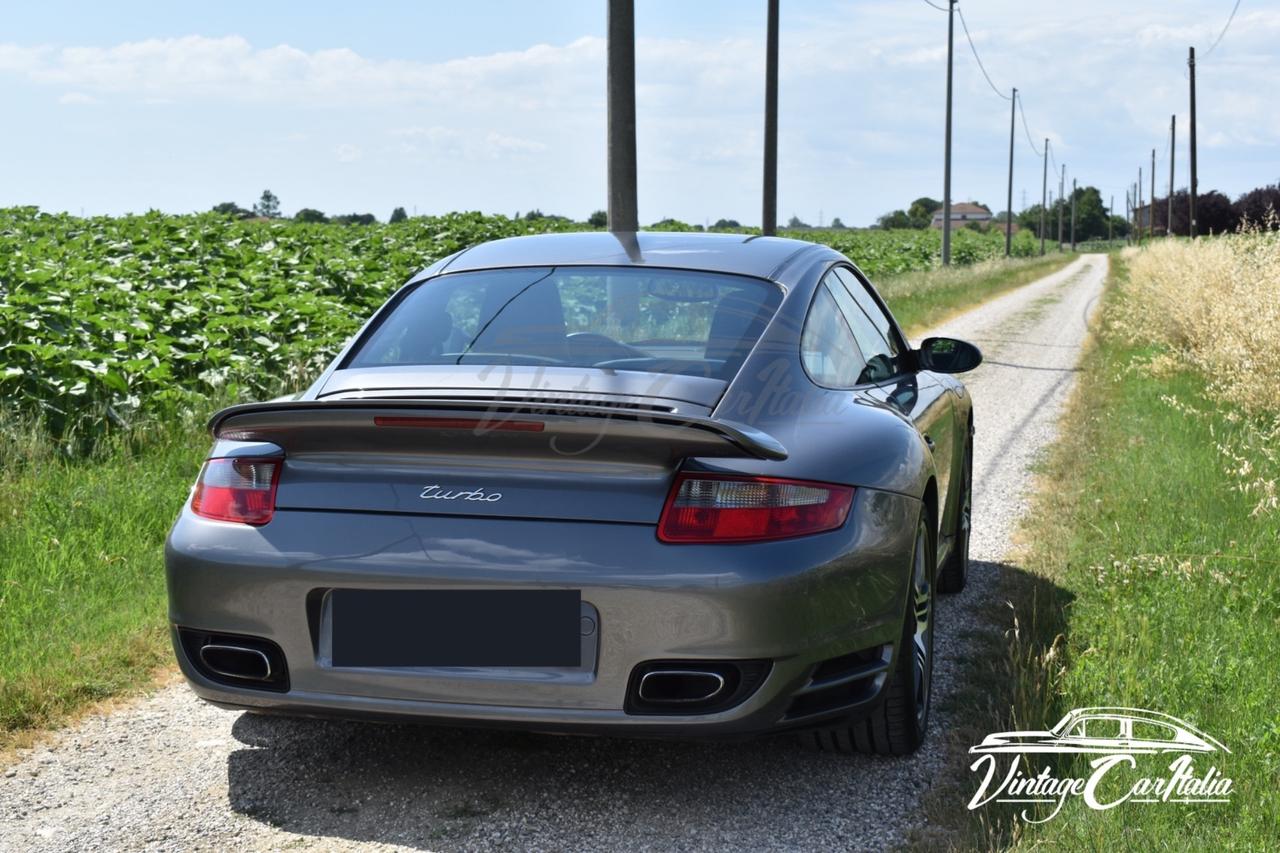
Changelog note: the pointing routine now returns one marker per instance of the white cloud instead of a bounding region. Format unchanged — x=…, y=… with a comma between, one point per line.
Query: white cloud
x=861, y=105
x=76, y=98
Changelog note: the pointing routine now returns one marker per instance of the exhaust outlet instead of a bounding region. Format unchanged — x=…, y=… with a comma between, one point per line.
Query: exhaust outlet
x=678, y=686
x=236, y=662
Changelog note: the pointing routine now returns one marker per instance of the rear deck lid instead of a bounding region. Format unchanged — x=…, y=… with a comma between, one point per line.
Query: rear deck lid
x=483, y=457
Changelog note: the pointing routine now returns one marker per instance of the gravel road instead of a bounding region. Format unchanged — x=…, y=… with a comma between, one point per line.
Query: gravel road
x=168, y=772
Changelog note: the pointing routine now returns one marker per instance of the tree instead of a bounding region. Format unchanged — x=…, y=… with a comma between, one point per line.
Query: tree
x=836, y=223
x=267, y=206
x=797, y=222
x=398, y=215
x=896, y=219
x=1259, y=207
x=1214, y=213
x=230, y=208
x=1091, y=215
x=356, y=219
x=726, y=225
x=669, y=224
x=921, y=211
x=310, y=214
x=598, y=219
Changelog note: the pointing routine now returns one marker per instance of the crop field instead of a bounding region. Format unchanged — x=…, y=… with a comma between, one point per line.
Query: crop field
x=108, y=322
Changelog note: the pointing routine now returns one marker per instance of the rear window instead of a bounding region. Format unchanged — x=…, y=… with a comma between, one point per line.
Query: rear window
x=658, y=321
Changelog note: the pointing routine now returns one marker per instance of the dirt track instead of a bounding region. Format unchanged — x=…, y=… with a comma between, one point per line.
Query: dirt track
x=169, y=772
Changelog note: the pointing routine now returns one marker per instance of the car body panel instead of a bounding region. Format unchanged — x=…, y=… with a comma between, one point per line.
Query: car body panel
x=683, y=602
x=587, y=522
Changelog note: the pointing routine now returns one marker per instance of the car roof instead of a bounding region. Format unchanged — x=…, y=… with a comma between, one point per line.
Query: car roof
x=741, y=254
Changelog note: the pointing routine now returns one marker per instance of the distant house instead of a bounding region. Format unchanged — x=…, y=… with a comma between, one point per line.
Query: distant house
x=962, y=214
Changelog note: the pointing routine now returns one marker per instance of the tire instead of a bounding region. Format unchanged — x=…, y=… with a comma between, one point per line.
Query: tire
x=954, y=573
x=898, y=724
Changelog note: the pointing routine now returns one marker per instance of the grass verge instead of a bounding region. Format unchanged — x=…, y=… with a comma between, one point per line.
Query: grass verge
x=920, y=300
x=82, y=609
x=1146, y=579
x=81, y=575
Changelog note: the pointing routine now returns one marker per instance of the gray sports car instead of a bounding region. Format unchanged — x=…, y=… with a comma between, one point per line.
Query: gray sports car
x=650, y=484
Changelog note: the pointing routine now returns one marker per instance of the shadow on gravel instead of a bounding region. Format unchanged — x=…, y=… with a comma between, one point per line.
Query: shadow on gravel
x=441, y=788
x=422, y=786
x=1006, y=681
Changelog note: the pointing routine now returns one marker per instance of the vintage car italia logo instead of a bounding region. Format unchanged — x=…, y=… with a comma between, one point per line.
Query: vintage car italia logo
x=436, y=492
x=1132, y=747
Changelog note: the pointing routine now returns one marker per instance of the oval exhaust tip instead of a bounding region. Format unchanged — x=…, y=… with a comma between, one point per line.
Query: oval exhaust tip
x=236, y=661
x=677, y=686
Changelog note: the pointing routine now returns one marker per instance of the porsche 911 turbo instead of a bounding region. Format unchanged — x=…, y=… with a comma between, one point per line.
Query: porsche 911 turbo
x=663, y=484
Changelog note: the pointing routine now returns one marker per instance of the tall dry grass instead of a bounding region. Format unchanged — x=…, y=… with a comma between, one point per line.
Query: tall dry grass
x=1216, y=304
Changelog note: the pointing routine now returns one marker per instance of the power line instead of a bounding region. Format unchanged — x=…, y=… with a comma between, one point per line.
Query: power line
x=974, y=48
x=934, y=5
x=1027, y=130
x=1230, y=18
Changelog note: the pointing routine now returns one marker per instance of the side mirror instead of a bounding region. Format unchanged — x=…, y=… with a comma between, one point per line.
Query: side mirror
x=948, y=355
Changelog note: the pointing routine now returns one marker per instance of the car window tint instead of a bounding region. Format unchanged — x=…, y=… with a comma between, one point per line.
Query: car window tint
x=827, y=346
x=652, y=320
x=891, y=343
x=881, y=363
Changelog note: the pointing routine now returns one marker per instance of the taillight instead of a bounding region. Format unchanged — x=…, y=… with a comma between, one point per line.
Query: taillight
x=242, y=490
x=714, y=508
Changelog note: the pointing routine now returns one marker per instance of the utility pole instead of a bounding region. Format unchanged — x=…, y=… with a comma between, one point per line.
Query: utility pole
x=1191, y=63
x=1128, y=215
x=1139, y=197
x=946, y=163
x=1111, y=212
x=1136, y=233
x=1073, y=214
x=1062, y=190
x=1008, y=208
x=1173, y=146
x=622, y=116
x=1151, y=226
x=1044, y=185
x=769, y=217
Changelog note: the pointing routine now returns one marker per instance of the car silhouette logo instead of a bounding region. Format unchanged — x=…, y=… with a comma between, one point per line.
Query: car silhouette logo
x=1108, y=731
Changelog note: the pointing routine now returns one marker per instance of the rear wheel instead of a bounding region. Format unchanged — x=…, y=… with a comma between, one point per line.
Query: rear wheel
x=897, y=726
x=954, y=573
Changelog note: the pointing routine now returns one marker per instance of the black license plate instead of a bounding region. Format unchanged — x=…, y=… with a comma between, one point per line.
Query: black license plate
x=499, y=628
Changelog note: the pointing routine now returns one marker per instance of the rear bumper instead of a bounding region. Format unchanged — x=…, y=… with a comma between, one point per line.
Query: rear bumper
x=796, y=604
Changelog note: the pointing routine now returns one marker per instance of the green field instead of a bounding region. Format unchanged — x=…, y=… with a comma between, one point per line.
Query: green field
x=108, y=323
x=82, y=612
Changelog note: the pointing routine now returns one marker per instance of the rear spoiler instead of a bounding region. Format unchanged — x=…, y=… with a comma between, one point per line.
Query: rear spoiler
x=462, y=426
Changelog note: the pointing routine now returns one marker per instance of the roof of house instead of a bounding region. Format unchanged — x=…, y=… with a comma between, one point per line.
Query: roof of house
x=964, y=208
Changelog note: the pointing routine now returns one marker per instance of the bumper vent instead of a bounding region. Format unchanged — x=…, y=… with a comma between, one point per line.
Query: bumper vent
x=841, y=683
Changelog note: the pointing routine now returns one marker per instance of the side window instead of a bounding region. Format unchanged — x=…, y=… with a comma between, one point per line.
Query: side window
x=1099, y=727
x=827, y=348
x=1145, y=730
x=884, y=349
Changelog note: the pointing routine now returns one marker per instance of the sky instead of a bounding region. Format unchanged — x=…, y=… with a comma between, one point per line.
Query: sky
x=499, y=106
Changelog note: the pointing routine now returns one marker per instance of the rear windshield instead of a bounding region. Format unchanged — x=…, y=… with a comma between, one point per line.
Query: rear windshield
x=658, y=321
